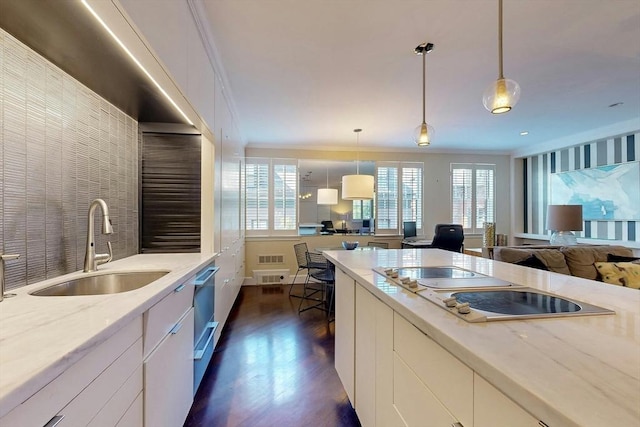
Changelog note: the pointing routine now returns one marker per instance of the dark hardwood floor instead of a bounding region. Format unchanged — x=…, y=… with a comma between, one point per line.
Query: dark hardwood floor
x=272, y=367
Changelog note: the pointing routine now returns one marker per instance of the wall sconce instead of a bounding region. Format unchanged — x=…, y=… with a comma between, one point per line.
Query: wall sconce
x=562, y=220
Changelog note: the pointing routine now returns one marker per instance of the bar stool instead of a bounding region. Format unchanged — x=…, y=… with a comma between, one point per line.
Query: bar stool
x=319, y=287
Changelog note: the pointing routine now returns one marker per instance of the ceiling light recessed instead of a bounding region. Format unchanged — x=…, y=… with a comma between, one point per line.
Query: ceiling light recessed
x=524, y=132
x=616, y=104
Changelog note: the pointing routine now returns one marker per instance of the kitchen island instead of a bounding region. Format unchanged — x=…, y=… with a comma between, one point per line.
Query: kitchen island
x=401, y=358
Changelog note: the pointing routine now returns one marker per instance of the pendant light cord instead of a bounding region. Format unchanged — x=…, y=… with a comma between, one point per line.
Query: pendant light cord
x=500, y=72
x=424, y=88
x=357, y=153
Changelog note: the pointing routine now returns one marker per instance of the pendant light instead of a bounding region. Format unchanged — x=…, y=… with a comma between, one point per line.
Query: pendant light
x=357, y=187
x=327, y=196
x=503, y=94
x=424, y=132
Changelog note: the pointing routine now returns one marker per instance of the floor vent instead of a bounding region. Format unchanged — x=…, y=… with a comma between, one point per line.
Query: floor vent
x=270, y=277
x=270, y=259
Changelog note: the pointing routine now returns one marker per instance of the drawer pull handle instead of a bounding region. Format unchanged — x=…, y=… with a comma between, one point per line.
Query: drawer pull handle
x=176, y=328
x=179, y=288
x=457, y=425
x=210, y=272
x=53, y=422
x=198, y=354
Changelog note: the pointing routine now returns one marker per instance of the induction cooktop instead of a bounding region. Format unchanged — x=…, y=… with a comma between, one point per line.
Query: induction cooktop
x=441, y=277
x=476, y=297
x=483, y=305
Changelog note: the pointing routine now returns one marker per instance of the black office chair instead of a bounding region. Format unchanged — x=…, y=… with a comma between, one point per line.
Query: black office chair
x=327, y=227
x=449, y=237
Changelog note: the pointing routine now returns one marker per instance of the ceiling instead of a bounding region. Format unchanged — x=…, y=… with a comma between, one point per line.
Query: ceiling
x=306, y=73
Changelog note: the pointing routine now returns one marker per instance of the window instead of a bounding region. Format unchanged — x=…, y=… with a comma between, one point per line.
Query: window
x=285, y=189
x=257, y=196
x=399, y=195
x=412, y=194
x=363, y=209
x=472, y=195
x=271, y=196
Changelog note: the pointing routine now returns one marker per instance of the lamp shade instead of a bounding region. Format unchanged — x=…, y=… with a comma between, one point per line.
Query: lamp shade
x=327, y=196
x=564, y=217
x=357, y=187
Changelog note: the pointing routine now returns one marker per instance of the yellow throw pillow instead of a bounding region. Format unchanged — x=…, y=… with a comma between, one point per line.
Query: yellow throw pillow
x=620, y=273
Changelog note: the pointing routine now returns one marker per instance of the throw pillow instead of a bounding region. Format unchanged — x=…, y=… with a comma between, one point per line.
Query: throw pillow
x=533, y=262
x=619, y=258
x=620, y=273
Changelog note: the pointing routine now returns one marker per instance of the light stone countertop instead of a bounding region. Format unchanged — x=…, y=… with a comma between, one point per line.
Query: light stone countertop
x=40, y=337
x=576, y=371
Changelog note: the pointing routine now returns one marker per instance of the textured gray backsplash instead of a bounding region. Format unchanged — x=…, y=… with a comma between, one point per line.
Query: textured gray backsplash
x=61, y=146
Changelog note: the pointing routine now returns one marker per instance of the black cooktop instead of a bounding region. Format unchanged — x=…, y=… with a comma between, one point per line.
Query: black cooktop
x=517, y=302
x=436, y=273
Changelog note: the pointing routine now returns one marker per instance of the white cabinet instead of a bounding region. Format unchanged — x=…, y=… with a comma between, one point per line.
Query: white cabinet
x=107, y=380
x=168, y=377
x=416, y=404
x=160, y=319
x=373, y=360
x=494, y=409
x=345, y=301
x=168, y=361
x=450, y=380
x=396, y=375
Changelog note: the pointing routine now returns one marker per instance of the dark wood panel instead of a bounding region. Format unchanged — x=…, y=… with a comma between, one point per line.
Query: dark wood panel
x=170, y=208
x=272, y=367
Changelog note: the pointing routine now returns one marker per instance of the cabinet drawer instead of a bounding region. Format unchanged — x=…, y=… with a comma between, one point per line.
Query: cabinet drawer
x=448, y=378
x=121, y=403
x=51, y=399
x=488, y=398
x=415, y=403
x=160, y=318
x=81, y=410
x=133, y=416
x=168, y=377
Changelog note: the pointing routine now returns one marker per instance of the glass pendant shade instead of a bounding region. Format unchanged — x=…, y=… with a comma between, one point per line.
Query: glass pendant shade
x=423, y=135
x=501, y=96
x=327, y=196
x=357, y=187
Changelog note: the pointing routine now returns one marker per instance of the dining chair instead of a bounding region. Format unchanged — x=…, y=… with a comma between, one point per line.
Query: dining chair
x=318, y=289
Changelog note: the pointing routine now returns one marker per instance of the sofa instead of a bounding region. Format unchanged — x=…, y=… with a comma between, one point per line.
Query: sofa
x=606, y=263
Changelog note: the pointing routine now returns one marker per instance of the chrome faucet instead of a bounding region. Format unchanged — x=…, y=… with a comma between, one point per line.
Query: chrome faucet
x=91, y=259
x=4, y=258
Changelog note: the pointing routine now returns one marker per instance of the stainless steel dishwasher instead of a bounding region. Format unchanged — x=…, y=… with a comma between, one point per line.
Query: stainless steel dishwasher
x=204, y=326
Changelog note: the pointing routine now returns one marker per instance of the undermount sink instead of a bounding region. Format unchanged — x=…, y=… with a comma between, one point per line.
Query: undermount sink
x=101, y=284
